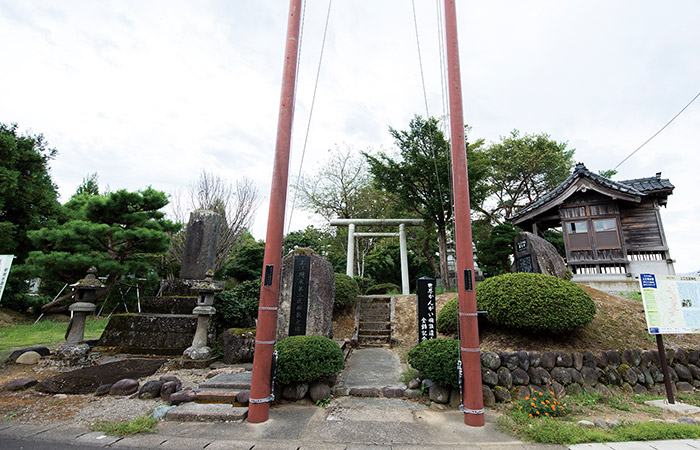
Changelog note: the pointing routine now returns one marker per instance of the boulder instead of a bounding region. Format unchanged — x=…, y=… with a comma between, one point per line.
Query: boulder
x=239, y=345
x=564, y=360
x=243, y=396
x=561, y=375
x=103, y=390
x=150, y=389
x=535, y=359
x=126, y=386
x=168, y=388
x=42, y=351
x=682, y=371
x=490, y=377
x=28, y=358
x=439, y=394
x=184, y=396
x=589, y=360
x=549, y=360
x=489, y=396
x=502, y=394
x=490, y=360
x=20, y=384
x=295, y=391
x=505, y=378
x=319, y=391
x=520, y=377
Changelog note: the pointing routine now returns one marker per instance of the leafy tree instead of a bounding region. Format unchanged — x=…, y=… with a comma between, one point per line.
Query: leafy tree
x=556, y=238
x=420, y=177
x=246, y=260
x=520, y=170
x=28, y=197
x=494, y=253
x=89, y=186
x=117, y=233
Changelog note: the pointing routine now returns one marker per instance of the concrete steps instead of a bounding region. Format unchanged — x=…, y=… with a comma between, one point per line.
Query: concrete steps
x=374, y=321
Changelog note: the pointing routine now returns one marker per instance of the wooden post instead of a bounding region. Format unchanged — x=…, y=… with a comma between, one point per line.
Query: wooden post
x=664, y=368
x=473, y=400
x=260, y=395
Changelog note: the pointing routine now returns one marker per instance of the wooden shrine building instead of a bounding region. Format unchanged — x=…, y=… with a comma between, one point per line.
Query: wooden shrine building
x=610, y=227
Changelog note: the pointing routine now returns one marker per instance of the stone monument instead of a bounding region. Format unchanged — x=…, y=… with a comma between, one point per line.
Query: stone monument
x=86, y=295
x=535, y=255
x=425, y=308
x=306, y=295
x=200, y=244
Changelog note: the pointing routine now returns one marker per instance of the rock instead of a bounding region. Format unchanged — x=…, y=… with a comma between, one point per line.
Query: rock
x=169, y=388
x=589, y=375
x=87, y=380
x=535, y=359
x=490, y=360
x=613, y=377
x=604, y=391
x=586, y=423
x=682, y=371
x=319, y=391
x=197, y=353
x=103, y=390
x=160, y=411
x=549, y=360
x=489, y=396
x=600, y=423
x=684, y=386
x=670, y=356
x=455, y=399
x=520, y=377
x=28, y=358
x=693, y=357
x=535, y=389
x=439, y=394
x=541, y=256
x=502, y=394
x=602, y=360
x=20, y=384
x=614, y=358
x=630, y=377
x=558, y=389
x=60, y=396
x=640, y=389
x=519, y=392
x=184, y=396
x=564, y=360
x=427, y=383
x=687, y=420
x=127, y=386
x=42, y=351
x=648, y=379
x=656, y=374
x=70, y=351
x=392, y=391
x=575, y=376
x=239, y=345
x=589, y=360
x=150, y=389
x=414, y=384
x=561, y=375
x=573, y=389
x=694, y=370
x=362, y=392
x=615, y=423
x=647, y=359
x=413, y=393
x=244, y=396
x=534, y=376
x=577, y=358
x=512, y=361
x=171, y=378
x=295, y=391
x=640, y=375
x=673, y=374
x=505, y=378
x=523, y=360
x=489, y=377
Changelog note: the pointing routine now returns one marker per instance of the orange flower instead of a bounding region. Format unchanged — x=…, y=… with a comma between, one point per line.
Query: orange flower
x=521, y=407
x=527, y=398
x=537, y=412
x=554, y=408
x=530, y=415
x=546, y=414
x=532, y=404
x=551, y=392
x=540, y=393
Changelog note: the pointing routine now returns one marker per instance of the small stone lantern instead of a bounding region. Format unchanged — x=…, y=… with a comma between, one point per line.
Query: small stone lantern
x=206, y=289
x=86, y=294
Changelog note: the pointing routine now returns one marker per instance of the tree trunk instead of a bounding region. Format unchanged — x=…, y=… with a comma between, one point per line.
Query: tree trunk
x=431, y=261
x=444, y=269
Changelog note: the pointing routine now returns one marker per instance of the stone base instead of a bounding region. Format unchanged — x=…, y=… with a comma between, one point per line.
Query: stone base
x=197, y=353
x=186, y=363
x=70, y=351
x=201, y=412
x=152, y=334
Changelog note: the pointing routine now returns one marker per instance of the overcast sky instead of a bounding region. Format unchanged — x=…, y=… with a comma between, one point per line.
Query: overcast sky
x=152, y=92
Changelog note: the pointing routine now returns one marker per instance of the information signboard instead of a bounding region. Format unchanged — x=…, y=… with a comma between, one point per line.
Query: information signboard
x=671, y=303
x=5, y=263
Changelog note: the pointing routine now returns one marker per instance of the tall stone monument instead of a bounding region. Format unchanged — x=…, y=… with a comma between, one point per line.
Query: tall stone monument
x=535, y=255
x=306, y=295
x=200, y=244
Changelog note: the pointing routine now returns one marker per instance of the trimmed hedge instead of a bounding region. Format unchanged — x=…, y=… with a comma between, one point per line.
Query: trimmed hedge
x=535, y=302
x=448, y=319
x=383, y=288
x=346, y=292
x=437, y=360
x=303, y=359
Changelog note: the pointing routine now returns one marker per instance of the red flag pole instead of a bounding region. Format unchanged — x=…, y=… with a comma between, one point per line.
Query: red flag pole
x=473, y=400
x=266, y=335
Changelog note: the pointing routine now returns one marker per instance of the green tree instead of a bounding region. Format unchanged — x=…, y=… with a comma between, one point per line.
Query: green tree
x=246, y=261
x=520, y=170
x=494, y=253
x=118, y=233
x=420, y=177
x=28, y=197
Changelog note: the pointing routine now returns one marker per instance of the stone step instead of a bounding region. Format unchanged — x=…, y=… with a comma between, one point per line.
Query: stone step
x=230, y=381
x=365, y=339
x=227, y=396
x=364, y=305
x=375, y=333
x=376, y=299
x=375, y=318
x=207, y=412
x=375, y=325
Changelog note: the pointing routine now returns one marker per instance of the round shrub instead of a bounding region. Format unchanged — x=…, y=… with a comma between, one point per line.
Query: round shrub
x=237, y=307
x=535, y=302
x=346, y=292
x=307, y=358
x=437, y=360
x=383, y=288
x=448, y=319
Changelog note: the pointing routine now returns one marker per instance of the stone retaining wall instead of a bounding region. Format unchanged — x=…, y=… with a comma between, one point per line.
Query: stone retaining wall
x=513, y=376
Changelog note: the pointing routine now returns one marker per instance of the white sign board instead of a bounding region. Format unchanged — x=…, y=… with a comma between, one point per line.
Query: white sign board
x=671, y=303
x=5, y=263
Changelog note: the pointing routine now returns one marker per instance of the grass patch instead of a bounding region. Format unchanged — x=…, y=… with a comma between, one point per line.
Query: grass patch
x=408, y=375
x=44, y=333
x=143, y=424
x=631, y=295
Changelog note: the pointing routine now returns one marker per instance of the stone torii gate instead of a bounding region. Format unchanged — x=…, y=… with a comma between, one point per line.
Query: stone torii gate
x=350, y=268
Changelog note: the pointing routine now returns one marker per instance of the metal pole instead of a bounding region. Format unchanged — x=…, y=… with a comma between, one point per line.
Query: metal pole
x=405, y=288
x=473, y=401
x=260, y=395
x=350, y=261
x=664, y=368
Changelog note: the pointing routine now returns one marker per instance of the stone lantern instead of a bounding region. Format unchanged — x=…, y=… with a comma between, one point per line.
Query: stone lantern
x=206, y=290
x=86, y=295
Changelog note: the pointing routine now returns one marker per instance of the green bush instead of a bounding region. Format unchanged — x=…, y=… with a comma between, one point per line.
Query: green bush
x=535, y=302
x=437, y=360
x=307, y=359
x=363, y=283
x=541, y=405
x=237, y=307
x=448, y=319
x=383, y=288
x=346, y=292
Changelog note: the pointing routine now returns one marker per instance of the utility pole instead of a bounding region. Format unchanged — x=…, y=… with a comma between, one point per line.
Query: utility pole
x=472, y=400
x=266, y=335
